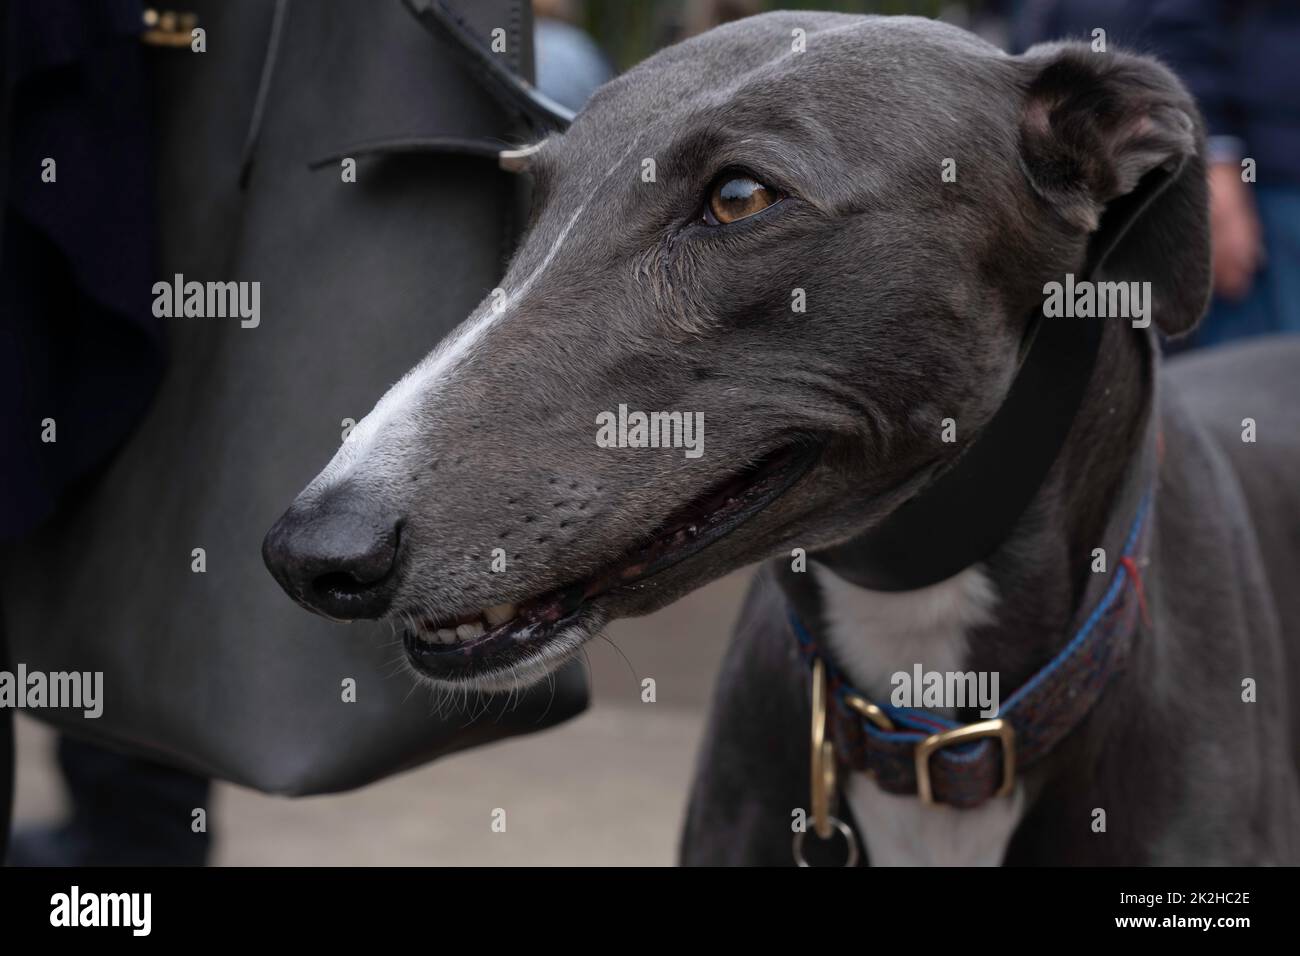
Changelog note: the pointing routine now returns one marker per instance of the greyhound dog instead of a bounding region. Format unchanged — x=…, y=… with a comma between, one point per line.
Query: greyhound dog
x=831, y=237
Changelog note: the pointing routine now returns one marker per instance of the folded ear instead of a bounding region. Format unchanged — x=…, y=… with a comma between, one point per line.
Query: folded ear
x=1115, y=145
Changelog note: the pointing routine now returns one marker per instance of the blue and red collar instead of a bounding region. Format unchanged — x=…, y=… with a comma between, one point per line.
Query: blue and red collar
x=913, y=751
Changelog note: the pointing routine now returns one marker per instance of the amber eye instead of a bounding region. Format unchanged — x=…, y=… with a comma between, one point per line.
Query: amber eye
x=736, y=197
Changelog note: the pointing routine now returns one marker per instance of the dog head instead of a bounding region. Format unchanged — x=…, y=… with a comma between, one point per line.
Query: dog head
x=806, y=241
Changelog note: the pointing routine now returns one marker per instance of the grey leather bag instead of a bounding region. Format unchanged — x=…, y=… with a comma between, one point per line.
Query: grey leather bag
x=216, y=670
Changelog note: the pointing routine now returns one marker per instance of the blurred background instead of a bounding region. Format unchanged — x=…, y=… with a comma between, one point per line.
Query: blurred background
x=610, y=786
x=629, y=32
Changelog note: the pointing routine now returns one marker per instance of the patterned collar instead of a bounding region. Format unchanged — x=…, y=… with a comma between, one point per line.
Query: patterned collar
x=913, y=751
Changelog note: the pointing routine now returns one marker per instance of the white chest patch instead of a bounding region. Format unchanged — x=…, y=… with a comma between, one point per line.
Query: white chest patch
x=875, y=634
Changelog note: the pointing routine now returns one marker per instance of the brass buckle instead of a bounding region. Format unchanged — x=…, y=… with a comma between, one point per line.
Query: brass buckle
x=1000, y=728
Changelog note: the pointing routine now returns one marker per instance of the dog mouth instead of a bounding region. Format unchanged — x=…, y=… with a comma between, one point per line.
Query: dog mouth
x=502, y=638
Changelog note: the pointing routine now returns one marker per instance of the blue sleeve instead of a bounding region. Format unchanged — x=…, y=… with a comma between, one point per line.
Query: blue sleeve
x=1198, y=40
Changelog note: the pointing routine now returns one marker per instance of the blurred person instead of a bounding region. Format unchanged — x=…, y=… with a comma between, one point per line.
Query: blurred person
x=125, y=811
x=569, y=63
x=1038, y=21
x=79, y=344
x=1239, y=58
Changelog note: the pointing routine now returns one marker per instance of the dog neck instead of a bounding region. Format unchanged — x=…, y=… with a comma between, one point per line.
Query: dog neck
x=1011, y=612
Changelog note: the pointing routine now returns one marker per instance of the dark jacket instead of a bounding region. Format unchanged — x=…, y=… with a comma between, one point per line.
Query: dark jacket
x=1241, y=59
x=78, y=342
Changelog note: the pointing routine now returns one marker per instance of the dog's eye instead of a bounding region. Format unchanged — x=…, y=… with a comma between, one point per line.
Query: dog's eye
x=736, y=196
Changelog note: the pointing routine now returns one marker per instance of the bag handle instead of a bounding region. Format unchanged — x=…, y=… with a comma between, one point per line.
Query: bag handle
x=506, y=86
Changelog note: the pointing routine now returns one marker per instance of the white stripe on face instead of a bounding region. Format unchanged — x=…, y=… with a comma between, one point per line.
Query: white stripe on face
x=433, y=371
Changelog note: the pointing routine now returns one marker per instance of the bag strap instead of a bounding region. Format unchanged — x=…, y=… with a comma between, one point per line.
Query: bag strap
x=509, y=88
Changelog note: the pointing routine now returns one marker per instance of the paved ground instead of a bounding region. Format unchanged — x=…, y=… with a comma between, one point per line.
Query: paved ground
x=606, y=788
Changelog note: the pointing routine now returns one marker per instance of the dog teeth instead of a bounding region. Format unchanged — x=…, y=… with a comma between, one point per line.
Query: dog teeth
x=499, y=614
x=470, y=630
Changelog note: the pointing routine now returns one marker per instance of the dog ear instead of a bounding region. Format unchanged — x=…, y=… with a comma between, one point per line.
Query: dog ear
x=1115, y=145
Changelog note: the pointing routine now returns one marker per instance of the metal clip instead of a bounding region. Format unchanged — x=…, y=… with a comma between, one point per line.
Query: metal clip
x=824, y=793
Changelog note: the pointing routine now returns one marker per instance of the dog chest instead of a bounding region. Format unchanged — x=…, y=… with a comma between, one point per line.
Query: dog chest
x=876, y=635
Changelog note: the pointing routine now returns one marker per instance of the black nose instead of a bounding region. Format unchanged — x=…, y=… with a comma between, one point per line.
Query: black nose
x=336, y=556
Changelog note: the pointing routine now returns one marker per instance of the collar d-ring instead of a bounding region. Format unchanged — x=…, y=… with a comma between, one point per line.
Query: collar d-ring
x=822, y=778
